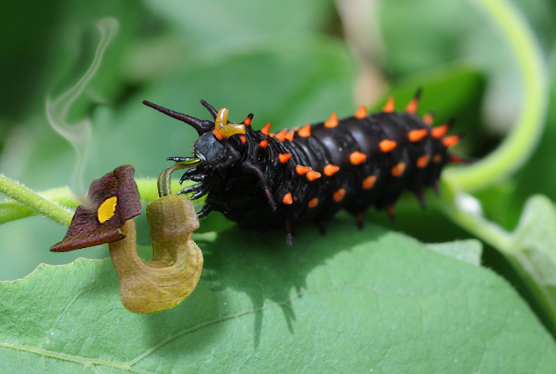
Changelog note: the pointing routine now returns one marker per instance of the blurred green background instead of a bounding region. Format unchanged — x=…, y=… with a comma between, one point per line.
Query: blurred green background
x=288, y=62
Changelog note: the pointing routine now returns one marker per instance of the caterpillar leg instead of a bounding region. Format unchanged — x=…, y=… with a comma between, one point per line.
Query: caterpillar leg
x=202, y=192
x=180, y=159
x=199, y=190
x=205, y=211
x=289, y=234
x=421, y=197
x=390, y=210
x=252, y=169
x=322, y=227
x=198, y=178
x=435, y=187
x=194, y=188
x=359, y=217
x=188, y=174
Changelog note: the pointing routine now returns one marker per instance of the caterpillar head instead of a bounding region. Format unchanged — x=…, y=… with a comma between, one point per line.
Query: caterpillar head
x=211, y=147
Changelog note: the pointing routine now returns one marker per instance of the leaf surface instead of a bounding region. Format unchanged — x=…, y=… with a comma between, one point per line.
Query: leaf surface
x=351, y=301
x=533, y=251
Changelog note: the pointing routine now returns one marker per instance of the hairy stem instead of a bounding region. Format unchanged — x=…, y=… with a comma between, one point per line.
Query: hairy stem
x=12, y=210
x=34, y=202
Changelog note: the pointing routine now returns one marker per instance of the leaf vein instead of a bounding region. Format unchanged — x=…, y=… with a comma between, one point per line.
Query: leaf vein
x=88, y=362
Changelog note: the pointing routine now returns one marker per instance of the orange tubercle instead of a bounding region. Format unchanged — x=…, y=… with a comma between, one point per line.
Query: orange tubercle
x=332, y=121
x=417, y=135
x=450, y=141
x=390, y=106
x=313, y=203
x=243, y=139
x=330, y=170
x=263, y=144
x=398, y=169
x=300, y=170
x=369, y=182
x=266, y=129
x=289, y=136
x=361, y=112
x=437, y=158
x=339, y=195
x=287, y=198
x=305, y=131
x=387, y=145
x=357, y=158
x=284, y=157
x=411, y=107
x=312, y=175
x=247, y=121
x=440, y=131
x=280, y=136
x=423, y=161
x=428, y=119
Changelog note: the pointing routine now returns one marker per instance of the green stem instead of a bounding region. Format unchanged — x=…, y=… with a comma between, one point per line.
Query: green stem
x=12, y=210
x=35, y=202
x=518, y=146
x=513, y=152
x=165, y=178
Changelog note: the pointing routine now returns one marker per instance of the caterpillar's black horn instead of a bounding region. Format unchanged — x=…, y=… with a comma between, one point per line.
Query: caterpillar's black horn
x=210, y=108
x=201, y=126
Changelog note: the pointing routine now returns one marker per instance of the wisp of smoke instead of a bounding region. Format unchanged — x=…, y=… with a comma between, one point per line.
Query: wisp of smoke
x=57, y=109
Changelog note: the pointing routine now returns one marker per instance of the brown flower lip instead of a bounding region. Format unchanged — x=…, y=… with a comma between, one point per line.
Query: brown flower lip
x=114, y=199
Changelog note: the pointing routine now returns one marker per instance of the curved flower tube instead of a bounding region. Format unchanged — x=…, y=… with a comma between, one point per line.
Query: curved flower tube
x=177, y=262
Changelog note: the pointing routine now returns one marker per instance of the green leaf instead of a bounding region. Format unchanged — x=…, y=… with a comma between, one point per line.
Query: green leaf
x=221, y=27
x=531, y=248
x=533, y=251
x=353, y=301
x=411, y=34
x=465, y=250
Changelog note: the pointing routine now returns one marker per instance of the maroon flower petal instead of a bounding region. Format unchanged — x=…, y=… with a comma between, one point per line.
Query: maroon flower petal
x=113, y=200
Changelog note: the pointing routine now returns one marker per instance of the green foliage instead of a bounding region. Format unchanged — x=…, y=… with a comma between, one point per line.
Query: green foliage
x=351, y=301
x=354, y=301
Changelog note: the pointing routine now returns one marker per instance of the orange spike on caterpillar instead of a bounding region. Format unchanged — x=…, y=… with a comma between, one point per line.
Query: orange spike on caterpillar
x=284, y=157
x=428, y=118
x=411, y=107
x=332, y=121
x=266, y=129
x=417, y=135
x=390, y=106
x=361, y=112
x=305, y=131
x=440, y=131
x=387, y=145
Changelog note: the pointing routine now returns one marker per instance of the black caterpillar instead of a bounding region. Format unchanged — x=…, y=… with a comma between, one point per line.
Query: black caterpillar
x=268, y=181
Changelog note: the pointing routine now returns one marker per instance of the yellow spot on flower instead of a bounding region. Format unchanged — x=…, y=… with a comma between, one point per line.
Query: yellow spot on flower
x=107, y=209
